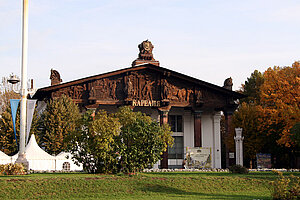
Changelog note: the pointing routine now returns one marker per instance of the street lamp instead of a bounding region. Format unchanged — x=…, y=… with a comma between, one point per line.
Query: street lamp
x=13, y=79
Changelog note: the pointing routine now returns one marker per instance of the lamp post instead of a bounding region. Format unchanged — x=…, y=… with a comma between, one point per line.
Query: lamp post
x=24, y=91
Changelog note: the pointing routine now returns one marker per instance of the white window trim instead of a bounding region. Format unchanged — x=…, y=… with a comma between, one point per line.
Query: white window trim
x=177, y=134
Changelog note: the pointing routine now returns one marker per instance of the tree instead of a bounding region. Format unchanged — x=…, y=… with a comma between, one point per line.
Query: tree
x=125, y=141
x=94, y=144
x=295, y=134
x=247, y=117
x=269, y=112
x=280, y=100
x=142, y=140
x=251, y=88
x=7, y=137
x=58, y=121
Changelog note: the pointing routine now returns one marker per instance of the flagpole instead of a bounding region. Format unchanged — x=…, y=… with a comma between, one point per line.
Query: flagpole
x=24, y=92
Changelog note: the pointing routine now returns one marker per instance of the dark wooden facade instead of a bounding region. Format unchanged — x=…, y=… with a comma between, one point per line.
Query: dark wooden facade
x=144, y=85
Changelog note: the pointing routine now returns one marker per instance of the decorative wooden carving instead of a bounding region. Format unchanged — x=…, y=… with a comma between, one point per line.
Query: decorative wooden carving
x=128, y=89
x=144, y=87
x=188, y=95
x=147, y=90
x=104, y=89
x=75, y=92
x=199, y=96
x=78, y=91
x=92, y=93
x=55, y=77
x=228, y=83
x=145, y=54
x=174, y=93
x=113, y=87
x=140, y=86
x=146, y=48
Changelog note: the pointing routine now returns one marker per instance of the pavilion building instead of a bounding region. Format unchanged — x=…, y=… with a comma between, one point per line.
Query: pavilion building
x=191, y=106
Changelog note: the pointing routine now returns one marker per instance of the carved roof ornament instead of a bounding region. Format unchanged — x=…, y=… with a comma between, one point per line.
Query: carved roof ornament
x=145, y=54
x=228, y=84
x=146, y=48
x=55, y=77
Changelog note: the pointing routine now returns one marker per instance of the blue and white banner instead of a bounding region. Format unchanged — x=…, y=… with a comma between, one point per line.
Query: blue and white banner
x=30, y=111
x=14, y=103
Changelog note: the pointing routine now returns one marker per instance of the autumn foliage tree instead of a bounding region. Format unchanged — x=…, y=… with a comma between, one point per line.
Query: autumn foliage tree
x=280, y=98
x=269, y=111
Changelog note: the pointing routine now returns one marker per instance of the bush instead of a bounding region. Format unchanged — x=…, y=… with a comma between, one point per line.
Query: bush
x=238, y=169
x=12, y=169
x=125, y=141
x=286, y=188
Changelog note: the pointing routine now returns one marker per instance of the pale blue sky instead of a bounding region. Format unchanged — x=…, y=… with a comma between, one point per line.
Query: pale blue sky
x=210, y=40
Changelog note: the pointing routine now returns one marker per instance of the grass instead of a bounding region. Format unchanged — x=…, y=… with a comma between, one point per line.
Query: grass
x=175, y=185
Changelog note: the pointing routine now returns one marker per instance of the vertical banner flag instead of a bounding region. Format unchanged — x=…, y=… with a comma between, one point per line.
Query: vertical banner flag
x=14, y=103
x=30, y=111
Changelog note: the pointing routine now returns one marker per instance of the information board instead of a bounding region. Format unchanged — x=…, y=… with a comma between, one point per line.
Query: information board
x=198, y=158
x=263, y=160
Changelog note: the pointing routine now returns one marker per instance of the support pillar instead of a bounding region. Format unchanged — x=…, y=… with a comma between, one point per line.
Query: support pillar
x=197, y=129
x=228, y=120
x=217, y=140
x=164, y=120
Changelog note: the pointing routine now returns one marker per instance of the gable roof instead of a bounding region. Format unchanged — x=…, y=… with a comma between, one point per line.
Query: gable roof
x=141, y=67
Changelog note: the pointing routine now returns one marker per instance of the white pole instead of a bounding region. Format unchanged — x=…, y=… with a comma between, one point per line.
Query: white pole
x=24, y=92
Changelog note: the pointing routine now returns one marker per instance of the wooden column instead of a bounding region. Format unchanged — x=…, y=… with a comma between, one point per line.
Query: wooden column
x=164, y=120
x=228, y=119
x=197, y=129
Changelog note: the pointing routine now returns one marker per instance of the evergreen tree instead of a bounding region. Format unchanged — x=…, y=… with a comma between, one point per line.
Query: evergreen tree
x=251, y=88
x=58, y=122
x=7, y=137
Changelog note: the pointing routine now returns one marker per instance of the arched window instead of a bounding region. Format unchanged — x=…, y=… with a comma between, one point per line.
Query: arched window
x=66, y=166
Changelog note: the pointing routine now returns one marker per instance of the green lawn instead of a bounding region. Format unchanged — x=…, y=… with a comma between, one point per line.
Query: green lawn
x=175, y=185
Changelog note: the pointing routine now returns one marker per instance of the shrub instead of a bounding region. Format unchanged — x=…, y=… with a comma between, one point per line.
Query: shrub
x=125, y=141
x=286, y=188
x=12, y=169
x=238, y=169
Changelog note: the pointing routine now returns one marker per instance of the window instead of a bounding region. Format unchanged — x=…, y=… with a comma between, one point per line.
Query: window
x=177, y=150
x=175, y=122
x=66, y=166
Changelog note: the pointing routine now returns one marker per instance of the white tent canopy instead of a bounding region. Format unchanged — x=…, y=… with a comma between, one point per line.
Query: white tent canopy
x=38, y=159
x=4, y=159
x=64, y=162
x=34, y=152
